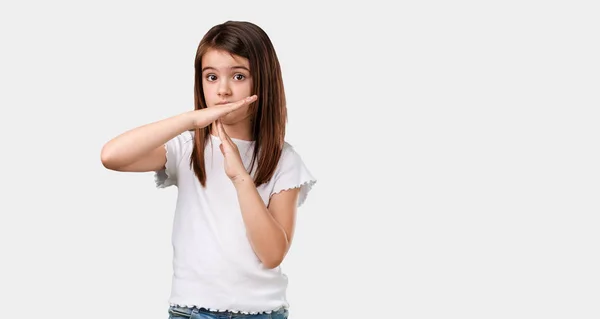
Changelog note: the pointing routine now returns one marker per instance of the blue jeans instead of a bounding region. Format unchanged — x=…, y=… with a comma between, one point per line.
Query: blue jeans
x=176, y=312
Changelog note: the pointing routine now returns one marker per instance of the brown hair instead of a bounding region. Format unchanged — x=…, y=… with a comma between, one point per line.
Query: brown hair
x=269, y=112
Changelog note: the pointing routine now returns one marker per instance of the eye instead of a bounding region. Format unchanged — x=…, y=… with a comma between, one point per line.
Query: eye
x=211, y=77
x=239, y=76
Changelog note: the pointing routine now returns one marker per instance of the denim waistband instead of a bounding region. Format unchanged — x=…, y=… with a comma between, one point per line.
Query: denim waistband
x=188, y=311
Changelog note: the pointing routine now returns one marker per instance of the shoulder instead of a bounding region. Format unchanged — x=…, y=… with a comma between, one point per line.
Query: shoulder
x=287, y=148
x=290, y=159
x=186, y=137
x=292, y=172
x=289, y=155
x=179, y=146
x=182, y=140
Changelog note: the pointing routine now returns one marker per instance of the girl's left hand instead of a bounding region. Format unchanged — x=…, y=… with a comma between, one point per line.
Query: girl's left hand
x=234, y=167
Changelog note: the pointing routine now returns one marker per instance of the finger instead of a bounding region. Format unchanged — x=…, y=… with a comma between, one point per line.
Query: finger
x=243, y=102
x=223, y=135
x=220, y=130
x=227, y=136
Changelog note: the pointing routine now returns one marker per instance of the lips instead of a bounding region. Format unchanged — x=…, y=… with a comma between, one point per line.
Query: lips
x=223, y=102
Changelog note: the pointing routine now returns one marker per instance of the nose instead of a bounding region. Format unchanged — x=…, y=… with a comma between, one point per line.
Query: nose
x=224, y=89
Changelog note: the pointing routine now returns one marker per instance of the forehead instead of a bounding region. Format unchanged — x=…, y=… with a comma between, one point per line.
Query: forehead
x=221, y=59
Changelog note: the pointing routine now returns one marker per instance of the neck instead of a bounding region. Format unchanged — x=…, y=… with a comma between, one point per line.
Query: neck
x=241, y=130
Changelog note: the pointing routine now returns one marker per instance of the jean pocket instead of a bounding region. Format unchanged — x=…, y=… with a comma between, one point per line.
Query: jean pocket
x=179, y=313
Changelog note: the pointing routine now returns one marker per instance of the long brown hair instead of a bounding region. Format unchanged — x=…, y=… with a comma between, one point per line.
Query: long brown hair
x=269, y=112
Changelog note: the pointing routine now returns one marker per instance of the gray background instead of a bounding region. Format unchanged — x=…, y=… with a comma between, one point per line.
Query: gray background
x=455, y=144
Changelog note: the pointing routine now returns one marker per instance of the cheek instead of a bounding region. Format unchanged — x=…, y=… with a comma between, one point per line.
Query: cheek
x=208, y=90
x=245, y=88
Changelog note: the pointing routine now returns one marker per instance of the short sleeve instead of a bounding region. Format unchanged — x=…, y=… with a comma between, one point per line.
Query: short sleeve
x=175, y=150
x=292, y=173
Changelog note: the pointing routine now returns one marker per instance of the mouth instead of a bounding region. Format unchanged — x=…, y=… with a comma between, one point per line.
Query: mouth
x=222, y=102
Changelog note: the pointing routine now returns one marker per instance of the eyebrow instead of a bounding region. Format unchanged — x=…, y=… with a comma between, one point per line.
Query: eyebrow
x=231, y=68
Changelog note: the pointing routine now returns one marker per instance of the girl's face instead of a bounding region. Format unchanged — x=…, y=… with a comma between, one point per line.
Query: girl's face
x=225, y=79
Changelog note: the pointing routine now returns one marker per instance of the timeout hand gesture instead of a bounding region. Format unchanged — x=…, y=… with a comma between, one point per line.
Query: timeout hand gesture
x=234, y=167
x=203, y=117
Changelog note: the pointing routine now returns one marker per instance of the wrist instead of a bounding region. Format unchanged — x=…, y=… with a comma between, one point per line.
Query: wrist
x=197, y=119
x=189, y=120
x=242, y=179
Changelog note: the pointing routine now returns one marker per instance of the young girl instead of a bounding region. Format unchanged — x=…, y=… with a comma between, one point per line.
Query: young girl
x=239, y=183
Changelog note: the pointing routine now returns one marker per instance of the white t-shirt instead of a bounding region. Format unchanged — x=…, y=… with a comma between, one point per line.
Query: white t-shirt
x=214, y=265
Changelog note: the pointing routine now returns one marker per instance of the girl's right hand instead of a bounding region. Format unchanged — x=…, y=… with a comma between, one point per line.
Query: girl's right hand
x=206, y=116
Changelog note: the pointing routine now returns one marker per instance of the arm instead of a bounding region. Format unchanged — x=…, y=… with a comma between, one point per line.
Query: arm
x=270, y=229
x=141, y=149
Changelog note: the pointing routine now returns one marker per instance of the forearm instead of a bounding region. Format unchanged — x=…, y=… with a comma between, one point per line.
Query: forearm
x=133, y=144
x=267, y=237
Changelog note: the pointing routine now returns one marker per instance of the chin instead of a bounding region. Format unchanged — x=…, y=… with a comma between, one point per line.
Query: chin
x=228, y=119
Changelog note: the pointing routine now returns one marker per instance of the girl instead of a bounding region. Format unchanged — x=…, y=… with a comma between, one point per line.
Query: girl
x=239, y=183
